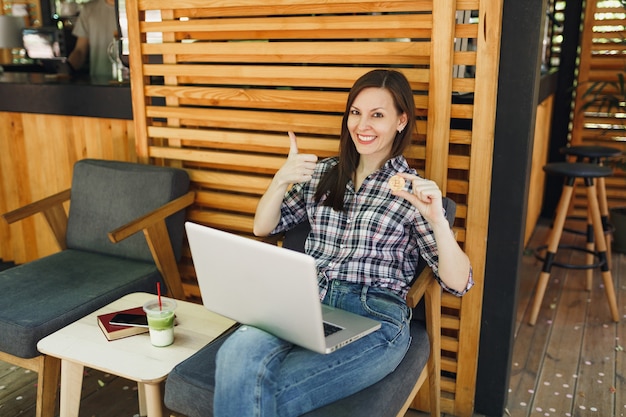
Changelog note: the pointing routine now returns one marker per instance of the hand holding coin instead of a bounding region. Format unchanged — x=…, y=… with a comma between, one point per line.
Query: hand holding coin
x=425, y=195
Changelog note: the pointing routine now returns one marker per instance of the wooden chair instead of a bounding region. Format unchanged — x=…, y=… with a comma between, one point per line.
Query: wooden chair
x=110, y=202
x=189, y=387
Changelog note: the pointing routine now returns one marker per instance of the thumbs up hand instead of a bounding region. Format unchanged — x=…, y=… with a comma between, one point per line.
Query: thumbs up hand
x=299, y=167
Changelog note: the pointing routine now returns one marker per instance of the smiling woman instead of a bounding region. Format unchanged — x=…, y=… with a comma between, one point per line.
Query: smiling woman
x=346, y=201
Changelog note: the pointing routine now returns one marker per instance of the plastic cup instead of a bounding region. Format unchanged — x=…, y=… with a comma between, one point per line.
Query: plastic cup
x=160, y=321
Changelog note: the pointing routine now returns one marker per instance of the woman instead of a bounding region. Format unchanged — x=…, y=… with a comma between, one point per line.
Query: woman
x=366, y=239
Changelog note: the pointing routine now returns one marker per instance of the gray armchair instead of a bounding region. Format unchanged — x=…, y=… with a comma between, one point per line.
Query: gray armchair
x=189, y=387
x=110, y=202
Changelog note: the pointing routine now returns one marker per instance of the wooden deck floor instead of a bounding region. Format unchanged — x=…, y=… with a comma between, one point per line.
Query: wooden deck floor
x=571, y=363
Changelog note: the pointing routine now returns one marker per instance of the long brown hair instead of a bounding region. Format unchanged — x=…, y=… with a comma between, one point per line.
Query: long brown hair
x=334, y=181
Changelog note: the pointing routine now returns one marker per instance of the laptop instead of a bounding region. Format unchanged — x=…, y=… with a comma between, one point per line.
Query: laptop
x=271, y=288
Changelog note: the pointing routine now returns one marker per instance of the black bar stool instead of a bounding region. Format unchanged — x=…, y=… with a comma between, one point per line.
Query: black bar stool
x=596, y=154
x=571, y=171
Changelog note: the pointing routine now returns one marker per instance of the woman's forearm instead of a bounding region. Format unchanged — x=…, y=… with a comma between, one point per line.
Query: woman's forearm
x=268, y=210
x=454, y=264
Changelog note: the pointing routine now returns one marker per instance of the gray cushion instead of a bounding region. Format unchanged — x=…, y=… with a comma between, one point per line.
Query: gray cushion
x=42, y=296
x=385, y=398
x=109, y=194
x=190, y=386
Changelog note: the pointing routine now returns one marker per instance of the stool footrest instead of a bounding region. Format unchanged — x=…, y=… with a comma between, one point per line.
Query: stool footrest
x=597, y=264
x=607, y=227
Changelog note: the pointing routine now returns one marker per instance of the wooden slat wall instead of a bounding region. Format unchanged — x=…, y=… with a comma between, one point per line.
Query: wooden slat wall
x=602, y=56
x=37, y=154
x=217, y=95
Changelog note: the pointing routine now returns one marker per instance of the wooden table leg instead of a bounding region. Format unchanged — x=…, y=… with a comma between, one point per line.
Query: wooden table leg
x=47, y=385
x=141, y=391
x=152, y=395
x=71, y=387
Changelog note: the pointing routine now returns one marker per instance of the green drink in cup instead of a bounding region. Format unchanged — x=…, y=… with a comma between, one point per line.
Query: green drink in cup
x=160, y=321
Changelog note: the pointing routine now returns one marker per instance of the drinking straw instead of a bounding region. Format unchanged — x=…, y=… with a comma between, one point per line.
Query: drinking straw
x=159, y=295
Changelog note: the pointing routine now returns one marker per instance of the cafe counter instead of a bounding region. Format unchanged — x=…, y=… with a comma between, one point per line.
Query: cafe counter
x=52, y=94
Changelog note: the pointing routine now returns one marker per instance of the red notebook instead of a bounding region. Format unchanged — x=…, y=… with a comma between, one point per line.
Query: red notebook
x=113, y=331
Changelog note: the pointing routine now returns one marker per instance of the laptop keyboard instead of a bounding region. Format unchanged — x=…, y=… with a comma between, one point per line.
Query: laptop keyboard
x=330, y=329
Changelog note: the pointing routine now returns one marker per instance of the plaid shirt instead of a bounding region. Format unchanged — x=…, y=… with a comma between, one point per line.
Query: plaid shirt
x=375, y=241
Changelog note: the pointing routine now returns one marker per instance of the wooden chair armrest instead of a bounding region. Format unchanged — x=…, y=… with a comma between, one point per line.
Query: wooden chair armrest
x=273, y=240
x=36, y=207
x=427, y=287
x=158, y=238
x=433, y=327
x=52, y=209
x=418, y=289
x=151, y=218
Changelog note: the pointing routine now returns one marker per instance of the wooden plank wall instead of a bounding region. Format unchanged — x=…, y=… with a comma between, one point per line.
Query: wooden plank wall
x=602, y=57
x=222, y=82
x=37, y=154
x=541, y=144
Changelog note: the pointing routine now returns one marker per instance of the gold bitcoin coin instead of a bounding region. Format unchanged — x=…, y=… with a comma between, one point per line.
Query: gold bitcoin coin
x=396, y=183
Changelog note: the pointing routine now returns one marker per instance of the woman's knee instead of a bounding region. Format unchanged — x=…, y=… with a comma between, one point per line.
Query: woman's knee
x=248, y=348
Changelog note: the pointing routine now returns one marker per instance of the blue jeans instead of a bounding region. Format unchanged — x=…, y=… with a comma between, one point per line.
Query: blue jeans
x=263, y=376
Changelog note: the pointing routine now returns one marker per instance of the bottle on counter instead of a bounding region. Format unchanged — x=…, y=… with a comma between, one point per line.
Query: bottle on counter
x=119, y=72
